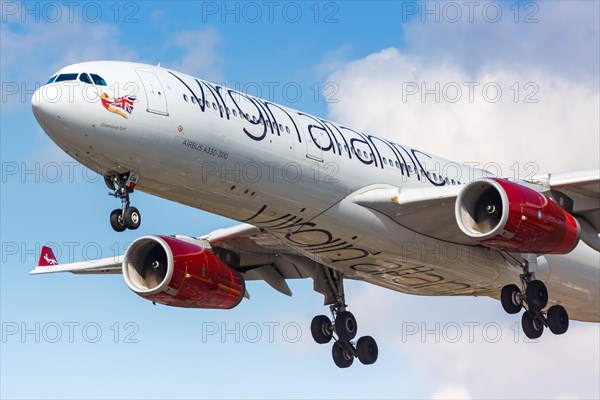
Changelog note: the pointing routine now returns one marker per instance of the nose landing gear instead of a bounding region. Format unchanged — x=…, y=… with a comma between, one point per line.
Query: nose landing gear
x=535, y=296
x=121, y=185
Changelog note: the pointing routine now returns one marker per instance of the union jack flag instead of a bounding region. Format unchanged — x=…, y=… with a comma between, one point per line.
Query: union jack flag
x=125, y=102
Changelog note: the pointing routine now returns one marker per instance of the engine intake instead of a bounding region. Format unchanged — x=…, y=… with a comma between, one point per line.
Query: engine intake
x=177, y=273
x=504, y=215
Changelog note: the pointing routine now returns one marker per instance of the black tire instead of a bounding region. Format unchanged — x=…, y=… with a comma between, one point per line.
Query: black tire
x=367, y=350
x=511, y=299
x=116, y=221
x=536, y=295
x=321, y=329
x=558, y=319
x=346, y=326
x=132, y=218
x=532, y=327
x=342, y=357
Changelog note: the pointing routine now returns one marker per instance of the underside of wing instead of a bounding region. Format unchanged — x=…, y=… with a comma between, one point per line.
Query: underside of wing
x=259, y=255
x=428, y=211
x=579, y=194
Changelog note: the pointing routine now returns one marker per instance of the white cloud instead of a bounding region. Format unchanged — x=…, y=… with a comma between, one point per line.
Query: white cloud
x=486, y=357
x=546, y=112
x=32, y=52
x=559, y=132
x=332, y=60
x=563, y=36
x=199, y=57
x=451, y=392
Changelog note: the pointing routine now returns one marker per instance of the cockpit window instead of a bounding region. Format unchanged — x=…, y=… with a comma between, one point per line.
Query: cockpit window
x=51, y=79
x=66, y=77
x=85, y=78
x=98, y=80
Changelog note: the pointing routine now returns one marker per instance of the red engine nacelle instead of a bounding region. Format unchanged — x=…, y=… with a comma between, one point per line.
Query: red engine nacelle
x=504, y=215
x=174, y=272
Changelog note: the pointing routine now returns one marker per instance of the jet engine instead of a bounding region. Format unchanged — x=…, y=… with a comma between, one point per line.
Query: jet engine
x=177, y=273
x=504, y=215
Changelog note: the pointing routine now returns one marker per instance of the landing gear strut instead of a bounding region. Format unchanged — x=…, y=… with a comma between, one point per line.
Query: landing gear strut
x=533, y=296
x=342, y=328
x=121, y=185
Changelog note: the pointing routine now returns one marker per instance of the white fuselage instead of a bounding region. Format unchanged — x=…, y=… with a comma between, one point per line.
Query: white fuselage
x=290, y=173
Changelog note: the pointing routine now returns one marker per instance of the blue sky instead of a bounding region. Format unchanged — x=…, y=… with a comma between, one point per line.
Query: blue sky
x=366, y=52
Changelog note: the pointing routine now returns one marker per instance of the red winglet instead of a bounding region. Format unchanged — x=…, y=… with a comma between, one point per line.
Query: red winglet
x=47, y=258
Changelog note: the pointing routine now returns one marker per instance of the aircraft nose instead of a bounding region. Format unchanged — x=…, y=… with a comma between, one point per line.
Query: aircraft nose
x=51, y=109
x=41, y=106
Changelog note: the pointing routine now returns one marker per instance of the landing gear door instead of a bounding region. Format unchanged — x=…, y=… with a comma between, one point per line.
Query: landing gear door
x=155, y=94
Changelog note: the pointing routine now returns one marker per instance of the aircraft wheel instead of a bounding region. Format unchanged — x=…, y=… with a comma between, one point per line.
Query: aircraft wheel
x=343, y=357
x=536, y=295
x=321, y=329
x=532, y=327
x=132, y=218
x=511, y=299
x=558, y=319
x=366, y=350
x=345, y=325
x=116, y=222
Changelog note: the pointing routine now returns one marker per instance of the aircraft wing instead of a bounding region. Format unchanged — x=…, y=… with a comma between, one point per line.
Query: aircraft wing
x=582, y=191
x=49, y=265
x=579, y=194
x=428, y=211
x=256, y=254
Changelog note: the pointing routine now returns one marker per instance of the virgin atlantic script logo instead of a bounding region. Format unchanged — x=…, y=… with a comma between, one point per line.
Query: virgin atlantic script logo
x=118, y=105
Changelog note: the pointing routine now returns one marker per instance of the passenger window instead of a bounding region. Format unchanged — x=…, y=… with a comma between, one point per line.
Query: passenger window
x=193, y=99
x=384, y=160
x=98, y=80
x=51, y=79
x=281, y=127
x=185, y=97
x=221, y=109
x=435, y=176
x=452, y=180
x=207, y=103
x=397, y=164
x=234, y=113
x=287, y=129
x=66, y=77
x=214, y=106
x=85, y=78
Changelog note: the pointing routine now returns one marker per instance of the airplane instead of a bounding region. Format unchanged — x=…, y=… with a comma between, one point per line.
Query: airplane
x=315, y=199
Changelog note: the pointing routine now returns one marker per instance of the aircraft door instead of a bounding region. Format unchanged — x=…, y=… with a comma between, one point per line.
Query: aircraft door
x=155, y=94
x=314, y=138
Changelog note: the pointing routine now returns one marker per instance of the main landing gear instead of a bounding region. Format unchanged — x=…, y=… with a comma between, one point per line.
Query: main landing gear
x=121, y=185
x=342, y=328
x=533, y=297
